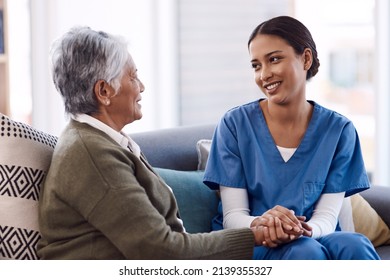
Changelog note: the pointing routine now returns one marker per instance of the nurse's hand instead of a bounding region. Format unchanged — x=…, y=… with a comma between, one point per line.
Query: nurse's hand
x=290, y=222
x=307, y=230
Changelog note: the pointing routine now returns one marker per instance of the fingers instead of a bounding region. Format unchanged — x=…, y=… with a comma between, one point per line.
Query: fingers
x=281, y=235
x=306, y=226
x=265, y=236
x=307, y=230
x=267, y=239
x=289, y=221
x=274, y=234
x=280, y=225
x=301, y=218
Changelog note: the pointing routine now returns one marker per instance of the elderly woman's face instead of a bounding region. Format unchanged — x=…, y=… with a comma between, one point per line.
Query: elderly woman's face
x=126, y=101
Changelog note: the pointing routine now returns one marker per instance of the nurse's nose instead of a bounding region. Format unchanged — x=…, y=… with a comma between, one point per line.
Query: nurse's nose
x=265, y=73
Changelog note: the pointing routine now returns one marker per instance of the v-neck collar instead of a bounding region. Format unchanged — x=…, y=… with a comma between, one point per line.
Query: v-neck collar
x=303, y=146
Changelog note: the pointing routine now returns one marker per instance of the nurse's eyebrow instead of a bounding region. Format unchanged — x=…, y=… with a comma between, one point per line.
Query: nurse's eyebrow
x=268, y=55
x=273, y=52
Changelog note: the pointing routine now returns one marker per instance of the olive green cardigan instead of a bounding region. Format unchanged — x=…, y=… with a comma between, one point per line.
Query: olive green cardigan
x=100, y=201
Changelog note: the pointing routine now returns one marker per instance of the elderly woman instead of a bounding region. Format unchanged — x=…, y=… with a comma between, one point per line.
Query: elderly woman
x=101, y=199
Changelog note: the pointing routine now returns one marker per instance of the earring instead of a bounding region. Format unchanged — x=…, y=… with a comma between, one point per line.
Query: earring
x=107, y=102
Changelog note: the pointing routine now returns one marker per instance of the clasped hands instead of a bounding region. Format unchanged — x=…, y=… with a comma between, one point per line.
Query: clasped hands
x=279, y=225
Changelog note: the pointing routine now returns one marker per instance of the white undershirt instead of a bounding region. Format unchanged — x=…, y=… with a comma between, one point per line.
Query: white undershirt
x=236, y=207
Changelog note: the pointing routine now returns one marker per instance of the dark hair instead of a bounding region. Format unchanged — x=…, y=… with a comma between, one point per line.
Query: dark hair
x=294, y=33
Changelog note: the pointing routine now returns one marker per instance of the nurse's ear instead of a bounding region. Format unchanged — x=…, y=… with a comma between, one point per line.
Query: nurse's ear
x=307, y=58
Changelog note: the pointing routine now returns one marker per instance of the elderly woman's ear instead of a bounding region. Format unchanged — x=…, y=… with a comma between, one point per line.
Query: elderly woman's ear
x=103, y=92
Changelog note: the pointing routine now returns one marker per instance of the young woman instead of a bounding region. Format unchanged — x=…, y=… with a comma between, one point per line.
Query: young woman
x=284, y=164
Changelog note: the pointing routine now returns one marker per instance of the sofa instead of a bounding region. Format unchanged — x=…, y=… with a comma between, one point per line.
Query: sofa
x=177, y=155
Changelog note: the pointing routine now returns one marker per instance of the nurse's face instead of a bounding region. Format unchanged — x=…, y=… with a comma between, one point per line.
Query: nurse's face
x=280, y=73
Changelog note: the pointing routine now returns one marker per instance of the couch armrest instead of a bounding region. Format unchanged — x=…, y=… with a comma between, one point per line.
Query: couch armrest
x=379, y=198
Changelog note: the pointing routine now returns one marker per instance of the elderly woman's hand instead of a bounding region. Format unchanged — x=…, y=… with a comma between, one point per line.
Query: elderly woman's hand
x=262, y=236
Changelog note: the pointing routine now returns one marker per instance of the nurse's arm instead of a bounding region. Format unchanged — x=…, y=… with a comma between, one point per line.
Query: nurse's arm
x=325, y=214
x=235, y=206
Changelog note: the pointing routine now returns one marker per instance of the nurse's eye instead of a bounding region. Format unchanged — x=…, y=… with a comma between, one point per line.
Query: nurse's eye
x=274, y=59
x=256, y=66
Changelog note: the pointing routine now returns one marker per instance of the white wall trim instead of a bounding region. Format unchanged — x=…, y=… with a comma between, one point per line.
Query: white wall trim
x=45, y=99
x=168, y=60
x=381, y=175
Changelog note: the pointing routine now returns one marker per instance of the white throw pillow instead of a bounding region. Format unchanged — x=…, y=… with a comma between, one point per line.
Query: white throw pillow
x=25, y=155
x=203, y=149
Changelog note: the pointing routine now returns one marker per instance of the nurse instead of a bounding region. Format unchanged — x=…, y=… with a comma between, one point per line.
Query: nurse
x=284, y=164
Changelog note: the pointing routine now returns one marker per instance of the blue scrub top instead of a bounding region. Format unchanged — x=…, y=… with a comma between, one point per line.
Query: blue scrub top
x=244, y=155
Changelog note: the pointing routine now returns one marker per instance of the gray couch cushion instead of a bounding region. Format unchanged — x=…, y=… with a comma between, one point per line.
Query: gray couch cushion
x=173, y=148
x=379, y=197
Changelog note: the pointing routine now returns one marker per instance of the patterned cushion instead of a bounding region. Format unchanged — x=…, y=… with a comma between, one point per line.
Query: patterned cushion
x=25, y=155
